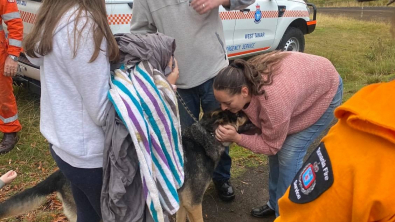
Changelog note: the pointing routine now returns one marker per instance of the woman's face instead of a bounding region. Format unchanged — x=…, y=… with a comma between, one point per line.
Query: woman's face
x=233, y=103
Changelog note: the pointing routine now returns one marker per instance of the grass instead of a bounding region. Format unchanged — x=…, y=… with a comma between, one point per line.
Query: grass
x=31, y=147
x=30, y=158
x=347, y=3
x=362, y=52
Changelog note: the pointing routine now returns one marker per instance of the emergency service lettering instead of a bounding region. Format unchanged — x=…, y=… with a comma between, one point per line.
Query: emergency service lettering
x=248, y=46
x=238, y=47
x=254, y=35
x=233, y=48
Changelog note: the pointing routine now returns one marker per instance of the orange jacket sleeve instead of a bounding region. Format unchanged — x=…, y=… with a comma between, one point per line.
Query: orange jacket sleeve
x=11, y=17
x=361, y=150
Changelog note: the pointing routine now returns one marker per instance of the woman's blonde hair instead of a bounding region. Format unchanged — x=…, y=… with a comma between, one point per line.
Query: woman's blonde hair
x=40, y=40
x=254, y=73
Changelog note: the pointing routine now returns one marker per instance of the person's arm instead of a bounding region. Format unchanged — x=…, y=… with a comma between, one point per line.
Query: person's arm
x=269, y=142
x=142, y=21
x=12, y=19
x=90, y=78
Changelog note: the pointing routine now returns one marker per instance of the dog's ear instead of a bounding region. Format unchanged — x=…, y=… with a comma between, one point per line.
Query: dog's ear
x=211, y=115
x=208, y=120
x=245, y=126
x=215, y=113
x=241, y=120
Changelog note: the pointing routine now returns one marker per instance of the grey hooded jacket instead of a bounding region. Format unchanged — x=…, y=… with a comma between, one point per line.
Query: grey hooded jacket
x=201, y=50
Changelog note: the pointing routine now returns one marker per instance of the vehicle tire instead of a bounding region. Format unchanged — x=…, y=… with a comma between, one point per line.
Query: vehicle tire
x=293, y=40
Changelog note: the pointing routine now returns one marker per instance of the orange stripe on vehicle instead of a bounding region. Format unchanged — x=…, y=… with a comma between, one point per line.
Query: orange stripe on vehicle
x=28, y=17
x=113, y=19
x=312, y=22
x=232, y=15
x=249, y=15
x=249, y=51
x=119, y=19
x=296, y=13
x=123, y=19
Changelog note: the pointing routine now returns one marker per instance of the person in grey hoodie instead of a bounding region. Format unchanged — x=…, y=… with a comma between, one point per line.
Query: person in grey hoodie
x=201, y=54
x=72, y=43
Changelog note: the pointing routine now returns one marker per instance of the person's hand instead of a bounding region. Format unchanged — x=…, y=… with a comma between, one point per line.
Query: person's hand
x=173, y=76
x=227, y=133
x=203, y=6
x=8, y=177
x=10, y=67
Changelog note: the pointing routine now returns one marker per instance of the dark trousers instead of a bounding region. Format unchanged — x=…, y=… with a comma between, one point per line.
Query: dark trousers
x=203, y=96
x=86, y=186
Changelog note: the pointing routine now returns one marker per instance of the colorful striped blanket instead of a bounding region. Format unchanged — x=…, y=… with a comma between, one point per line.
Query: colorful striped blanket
x=147, y=104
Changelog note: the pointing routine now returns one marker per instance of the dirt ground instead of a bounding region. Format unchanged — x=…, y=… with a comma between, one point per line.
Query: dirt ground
x=251, y=190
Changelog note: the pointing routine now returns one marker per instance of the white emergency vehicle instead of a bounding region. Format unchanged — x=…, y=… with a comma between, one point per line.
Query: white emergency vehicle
x=264, y=26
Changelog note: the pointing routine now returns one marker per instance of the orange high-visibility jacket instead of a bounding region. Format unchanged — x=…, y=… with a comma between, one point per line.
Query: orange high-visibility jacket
x=358, y=183
x=11, y=17
x=11, y=46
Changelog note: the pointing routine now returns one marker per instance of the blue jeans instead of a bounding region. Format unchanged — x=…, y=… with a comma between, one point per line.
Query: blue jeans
x=287, y=162
x=203, y=96
x=86, y=187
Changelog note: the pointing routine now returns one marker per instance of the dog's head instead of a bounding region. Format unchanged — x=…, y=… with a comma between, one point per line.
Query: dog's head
x=203, y=133
x=211, y=120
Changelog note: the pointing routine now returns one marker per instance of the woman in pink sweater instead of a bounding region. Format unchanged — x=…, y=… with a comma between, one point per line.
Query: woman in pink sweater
x=290, y=97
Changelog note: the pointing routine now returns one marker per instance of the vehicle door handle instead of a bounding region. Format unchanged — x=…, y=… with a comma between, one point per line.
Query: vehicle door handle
x=245, y=10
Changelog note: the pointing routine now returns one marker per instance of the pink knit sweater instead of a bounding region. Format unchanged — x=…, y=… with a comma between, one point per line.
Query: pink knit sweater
x=302, y=89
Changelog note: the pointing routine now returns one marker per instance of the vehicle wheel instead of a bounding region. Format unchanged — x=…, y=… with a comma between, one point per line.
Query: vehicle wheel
x=293, y=40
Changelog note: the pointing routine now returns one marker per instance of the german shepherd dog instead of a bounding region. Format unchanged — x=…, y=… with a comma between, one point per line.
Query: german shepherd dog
x=202, y=153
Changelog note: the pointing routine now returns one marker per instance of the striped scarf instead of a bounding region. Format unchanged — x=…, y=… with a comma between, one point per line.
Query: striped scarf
x=147, y=104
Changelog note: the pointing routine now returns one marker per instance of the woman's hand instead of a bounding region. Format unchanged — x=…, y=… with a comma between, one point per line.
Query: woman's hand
x=227, y=133
x=173, y=76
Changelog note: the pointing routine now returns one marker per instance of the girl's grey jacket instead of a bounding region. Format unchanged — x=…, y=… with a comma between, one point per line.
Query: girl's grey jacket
x=122, y=196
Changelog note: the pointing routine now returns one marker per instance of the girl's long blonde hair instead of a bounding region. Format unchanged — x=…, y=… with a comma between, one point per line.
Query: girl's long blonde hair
x=40, y=40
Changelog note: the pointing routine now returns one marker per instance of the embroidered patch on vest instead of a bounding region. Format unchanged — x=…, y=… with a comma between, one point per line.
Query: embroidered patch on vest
x=314, y=178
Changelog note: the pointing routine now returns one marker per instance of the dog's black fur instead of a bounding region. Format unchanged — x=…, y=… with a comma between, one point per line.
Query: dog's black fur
x=202, y=153
x=34, y=197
